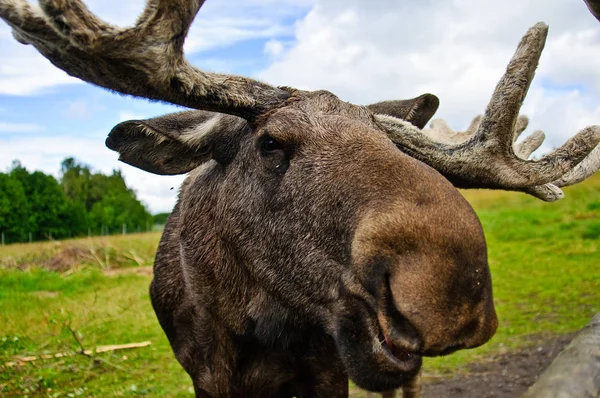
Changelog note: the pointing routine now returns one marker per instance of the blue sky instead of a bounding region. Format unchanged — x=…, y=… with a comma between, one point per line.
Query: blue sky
x=361, y=51
x=42, y=121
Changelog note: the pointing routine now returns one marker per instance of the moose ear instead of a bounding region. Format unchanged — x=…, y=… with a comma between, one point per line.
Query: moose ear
x=418, y=111
x=177, y=143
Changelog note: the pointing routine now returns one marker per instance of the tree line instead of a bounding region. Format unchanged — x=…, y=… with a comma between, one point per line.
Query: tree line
x=37, y=206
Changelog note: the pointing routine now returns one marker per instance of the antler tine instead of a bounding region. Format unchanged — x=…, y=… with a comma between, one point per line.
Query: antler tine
x=552, y=192
x=73, y=19
x=166, y=19
x=487, y=159
x=522, y=123
x=589, y=166
x=184, y=10
x=546, y=192
x=502, y=112
x=145, y=60
x=472, y=129
x=21, y=16
x=440, y=131
x=503, y=109
x=525, y=148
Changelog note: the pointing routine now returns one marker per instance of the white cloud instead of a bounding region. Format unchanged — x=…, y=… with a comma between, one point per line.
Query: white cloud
x=226, y=31
x=82, y=108
x=19, y=127
x=157, y=192
x=274, y=48
x=370, y=51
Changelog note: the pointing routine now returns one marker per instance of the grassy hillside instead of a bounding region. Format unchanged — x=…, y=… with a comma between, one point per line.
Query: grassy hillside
x=59, y=297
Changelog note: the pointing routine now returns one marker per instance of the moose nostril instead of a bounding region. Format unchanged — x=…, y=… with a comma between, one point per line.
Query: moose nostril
x=471, y=329
x=403, y=332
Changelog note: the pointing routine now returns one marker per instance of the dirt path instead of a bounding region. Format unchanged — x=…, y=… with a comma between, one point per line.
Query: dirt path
x=506, y=376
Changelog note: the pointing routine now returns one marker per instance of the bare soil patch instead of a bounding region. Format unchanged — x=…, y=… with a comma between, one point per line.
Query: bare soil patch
x=504, y=376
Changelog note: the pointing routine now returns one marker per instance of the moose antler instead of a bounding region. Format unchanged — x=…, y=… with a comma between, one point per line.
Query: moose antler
x=486, y=157
x=145, y=60
x=440, y=131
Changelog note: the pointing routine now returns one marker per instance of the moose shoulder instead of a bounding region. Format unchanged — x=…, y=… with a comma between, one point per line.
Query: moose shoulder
x=305, y=247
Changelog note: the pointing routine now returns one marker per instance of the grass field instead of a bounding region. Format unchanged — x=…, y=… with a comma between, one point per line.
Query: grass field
x=60, y=297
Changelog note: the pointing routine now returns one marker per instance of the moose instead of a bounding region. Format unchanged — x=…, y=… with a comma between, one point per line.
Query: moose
x=314, y=240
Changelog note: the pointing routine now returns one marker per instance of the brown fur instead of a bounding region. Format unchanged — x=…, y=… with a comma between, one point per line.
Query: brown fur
x=278, y=269
x=417, y=111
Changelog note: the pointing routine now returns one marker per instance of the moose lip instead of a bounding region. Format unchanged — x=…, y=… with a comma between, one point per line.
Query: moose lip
x=401, y=356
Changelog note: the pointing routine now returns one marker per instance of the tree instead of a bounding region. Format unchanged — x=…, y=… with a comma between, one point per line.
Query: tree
x=13, y=209
x=160, y=218
x=118, y=205
x=50, y=214
x=81, y=201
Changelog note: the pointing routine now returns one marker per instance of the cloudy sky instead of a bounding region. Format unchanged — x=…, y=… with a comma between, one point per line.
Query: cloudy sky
x=363, y=51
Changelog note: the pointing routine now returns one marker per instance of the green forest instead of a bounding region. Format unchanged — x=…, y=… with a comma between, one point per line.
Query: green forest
x=36, y=206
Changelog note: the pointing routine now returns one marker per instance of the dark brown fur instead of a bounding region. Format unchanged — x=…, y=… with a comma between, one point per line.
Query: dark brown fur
x=277, y=269
x=417, y=111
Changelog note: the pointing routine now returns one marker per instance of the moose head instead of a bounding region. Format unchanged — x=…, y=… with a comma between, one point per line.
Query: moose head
x=328, y=234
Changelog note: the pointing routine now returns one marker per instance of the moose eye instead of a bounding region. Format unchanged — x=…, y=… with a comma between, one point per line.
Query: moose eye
x=269, y=144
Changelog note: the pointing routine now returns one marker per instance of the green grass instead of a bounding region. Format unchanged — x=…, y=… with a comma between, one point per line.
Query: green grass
x=545, y=262
x=41, y=311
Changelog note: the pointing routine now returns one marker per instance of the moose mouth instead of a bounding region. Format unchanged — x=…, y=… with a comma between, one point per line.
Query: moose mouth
x=379, y=355
x=399, y=354
x=395, y=342
x=407, y=360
